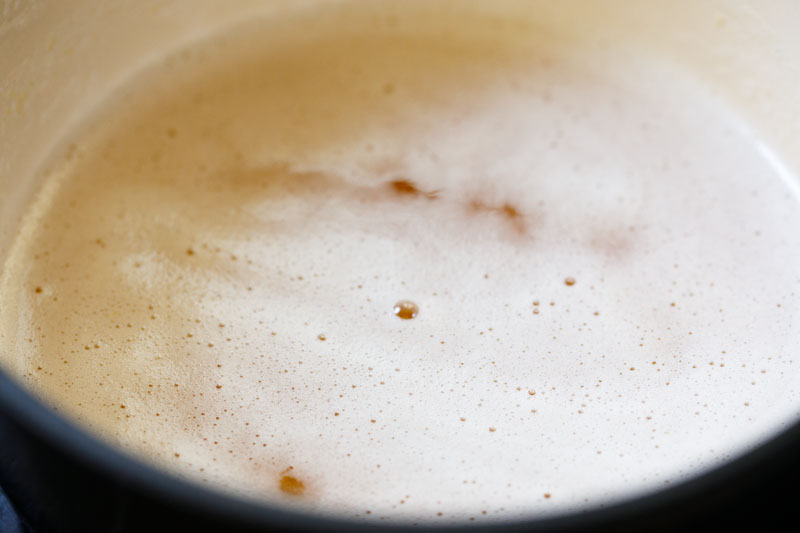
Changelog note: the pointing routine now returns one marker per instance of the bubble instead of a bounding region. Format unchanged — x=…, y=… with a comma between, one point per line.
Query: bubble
x=406, y=309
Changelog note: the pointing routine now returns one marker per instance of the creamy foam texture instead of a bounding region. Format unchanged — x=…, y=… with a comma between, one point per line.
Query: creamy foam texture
x=603, y=262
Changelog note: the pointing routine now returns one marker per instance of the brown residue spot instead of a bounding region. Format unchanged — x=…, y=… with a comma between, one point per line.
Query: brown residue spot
x=219, y=386
x=189, y=251
x=38, y=290
x=547, y=495
x=510, y=211
x=492, y=430
x=569, y=281
x=404, y=187
x=321, y=337
x=290, y=484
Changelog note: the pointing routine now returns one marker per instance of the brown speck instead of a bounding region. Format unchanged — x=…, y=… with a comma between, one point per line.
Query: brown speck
x=177, y=454
x=219, y=386
x=547, y=495
x=569, y=282
x=122, y=406
x=38, y=290
x=492, y=430
x=321, y=337
x=189, y=251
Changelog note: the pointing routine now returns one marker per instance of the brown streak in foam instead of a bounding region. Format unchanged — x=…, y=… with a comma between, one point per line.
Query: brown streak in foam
x=404, y=187
x=507, y=211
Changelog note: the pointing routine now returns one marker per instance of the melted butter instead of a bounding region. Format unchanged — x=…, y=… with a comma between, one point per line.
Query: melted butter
x=172, y=281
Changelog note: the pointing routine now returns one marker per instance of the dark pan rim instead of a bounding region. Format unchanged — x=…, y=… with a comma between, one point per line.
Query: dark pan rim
x=31, y=414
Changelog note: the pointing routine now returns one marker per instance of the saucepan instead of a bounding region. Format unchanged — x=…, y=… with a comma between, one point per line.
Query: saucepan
x=59, y=58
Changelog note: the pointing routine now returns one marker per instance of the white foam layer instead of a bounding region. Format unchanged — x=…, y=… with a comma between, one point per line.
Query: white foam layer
x=208, y=280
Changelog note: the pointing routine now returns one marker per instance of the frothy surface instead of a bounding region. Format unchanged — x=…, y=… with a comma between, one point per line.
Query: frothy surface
x=437, y=270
